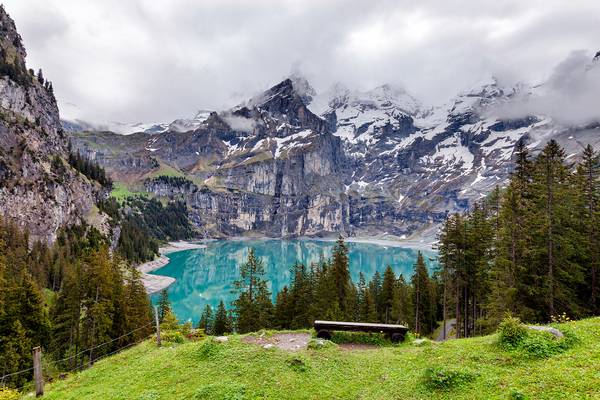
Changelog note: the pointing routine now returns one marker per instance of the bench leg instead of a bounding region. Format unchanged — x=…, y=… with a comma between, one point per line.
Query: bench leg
x=324, y=334
x=397, y=337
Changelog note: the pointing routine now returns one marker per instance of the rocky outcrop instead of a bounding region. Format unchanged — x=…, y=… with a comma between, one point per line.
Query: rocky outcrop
x=39, y=191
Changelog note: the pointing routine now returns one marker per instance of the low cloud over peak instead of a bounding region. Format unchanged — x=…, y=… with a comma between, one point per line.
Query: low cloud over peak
x=141, y=60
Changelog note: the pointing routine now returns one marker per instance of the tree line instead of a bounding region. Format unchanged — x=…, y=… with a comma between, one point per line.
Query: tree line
x=68, y=297
x=145, y=223
x=89, y=168
x=530, y=249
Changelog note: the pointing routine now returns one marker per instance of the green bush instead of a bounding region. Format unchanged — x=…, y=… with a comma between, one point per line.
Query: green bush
x=544, y=344
x=186, y=329
x=446, y=379
x=512, y=332
x=515, y=336
x=208, y=349
x=172, y=336
x=221, y=391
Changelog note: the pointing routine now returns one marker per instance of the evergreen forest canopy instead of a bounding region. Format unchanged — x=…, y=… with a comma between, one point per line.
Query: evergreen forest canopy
x=145, y=223
x=72, y=296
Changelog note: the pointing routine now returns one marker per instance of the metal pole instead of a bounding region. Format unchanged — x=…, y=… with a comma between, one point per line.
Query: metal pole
x=157, y=325
x=37, y=371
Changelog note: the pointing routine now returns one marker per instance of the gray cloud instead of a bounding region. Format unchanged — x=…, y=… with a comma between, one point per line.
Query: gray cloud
x=571, y=95
x=159, y=60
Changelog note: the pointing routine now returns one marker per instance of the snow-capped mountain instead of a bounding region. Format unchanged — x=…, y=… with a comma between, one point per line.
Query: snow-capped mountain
x=122, y=128
x=291, y=161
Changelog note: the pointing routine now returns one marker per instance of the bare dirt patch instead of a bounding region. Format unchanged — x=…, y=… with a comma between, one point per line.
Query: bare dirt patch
x=283, y=341
x=357, y=346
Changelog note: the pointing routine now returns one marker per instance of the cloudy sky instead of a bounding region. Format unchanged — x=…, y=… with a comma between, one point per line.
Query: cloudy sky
x=151, y=60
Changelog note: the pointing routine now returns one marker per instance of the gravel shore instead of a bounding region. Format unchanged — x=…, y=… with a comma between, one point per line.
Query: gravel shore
x=155, y=283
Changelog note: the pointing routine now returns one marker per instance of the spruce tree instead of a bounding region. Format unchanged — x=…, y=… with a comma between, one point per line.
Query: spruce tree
x=341, y=278
x=253, y=306
x=164, y=305
x=589, y=190
x=206, y=320
x=424, y=322
x=388, y=287
x=221, y=322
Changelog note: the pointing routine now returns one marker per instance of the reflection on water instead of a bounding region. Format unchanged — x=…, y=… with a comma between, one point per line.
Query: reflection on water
x=206, y=275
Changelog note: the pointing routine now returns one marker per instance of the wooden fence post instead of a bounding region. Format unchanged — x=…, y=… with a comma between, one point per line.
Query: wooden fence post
x=37, y=371
x=157, y=325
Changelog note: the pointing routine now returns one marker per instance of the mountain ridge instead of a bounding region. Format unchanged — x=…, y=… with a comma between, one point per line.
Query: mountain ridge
x=293, y=162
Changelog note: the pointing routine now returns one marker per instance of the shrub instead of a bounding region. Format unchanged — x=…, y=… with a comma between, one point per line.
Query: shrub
x=512, y=332
x=172, y=336
x=186, y=329
x=9, y=394
x=208, y=349
x=544, y=344
x=221, y=391
x=446, y=379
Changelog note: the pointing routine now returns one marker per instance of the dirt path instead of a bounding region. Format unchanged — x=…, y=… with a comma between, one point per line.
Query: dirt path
x=283, y=341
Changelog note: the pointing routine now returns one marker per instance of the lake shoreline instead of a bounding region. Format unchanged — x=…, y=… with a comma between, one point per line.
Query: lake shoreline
x=154, y=283
x=392, y=241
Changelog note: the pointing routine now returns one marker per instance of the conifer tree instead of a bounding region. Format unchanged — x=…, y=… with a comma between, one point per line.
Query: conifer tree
x=423, y=300
x=253, y=306
x=221, y=322
x=388, y=287
x=206, y=320
x=341, y=278
x=588, y=174
x=164, y=305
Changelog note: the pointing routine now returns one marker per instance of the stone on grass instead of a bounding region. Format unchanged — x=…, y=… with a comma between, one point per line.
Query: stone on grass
x=555, y=332
x=221, y=339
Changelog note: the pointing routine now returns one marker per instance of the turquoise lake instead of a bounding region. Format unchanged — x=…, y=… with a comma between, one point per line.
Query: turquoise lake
x=205, y=276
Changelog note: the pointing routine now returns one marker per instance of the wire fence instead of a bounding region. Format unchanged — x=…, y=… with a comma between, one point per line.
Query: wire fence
x=57, y=363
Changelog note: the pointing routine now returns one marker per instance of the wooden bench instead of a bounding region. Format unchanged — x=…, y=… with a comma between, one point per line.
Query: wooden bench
x=396, y=333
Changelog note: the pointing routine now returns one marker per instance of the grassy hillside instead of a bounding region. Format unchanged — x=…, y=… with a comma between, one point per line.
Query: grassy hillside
x=469, y=369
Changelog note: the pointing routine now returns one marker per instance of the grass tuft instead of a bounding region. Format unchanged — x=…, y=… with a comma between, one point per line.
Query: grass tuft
x=221, y=391
x=439, y=378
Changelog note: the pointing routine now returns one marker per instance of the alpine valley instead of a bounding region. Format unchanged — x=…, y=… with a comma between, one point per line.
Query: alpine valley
x=292, y=162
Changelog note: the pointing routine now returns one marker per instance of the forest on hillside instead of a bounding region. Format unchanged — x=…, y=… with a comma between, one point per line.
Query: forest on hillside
x=68, y=298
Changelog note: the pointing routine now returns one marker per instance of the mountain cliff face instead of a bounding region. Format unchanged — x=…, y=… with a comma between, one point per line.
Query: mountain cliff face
x=38, y=189
x=292, y=162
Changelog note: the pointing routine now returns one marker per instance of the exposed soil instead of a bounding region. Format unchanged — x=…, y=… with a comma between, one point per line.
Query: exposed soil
x=357, y=346
x=283, y=341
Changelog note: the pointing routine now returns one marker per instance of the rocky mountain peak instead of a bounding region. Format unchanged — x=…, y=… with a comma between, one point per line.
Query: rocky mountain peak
x=11, y=40
x=302, y=87
x=39, y=190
